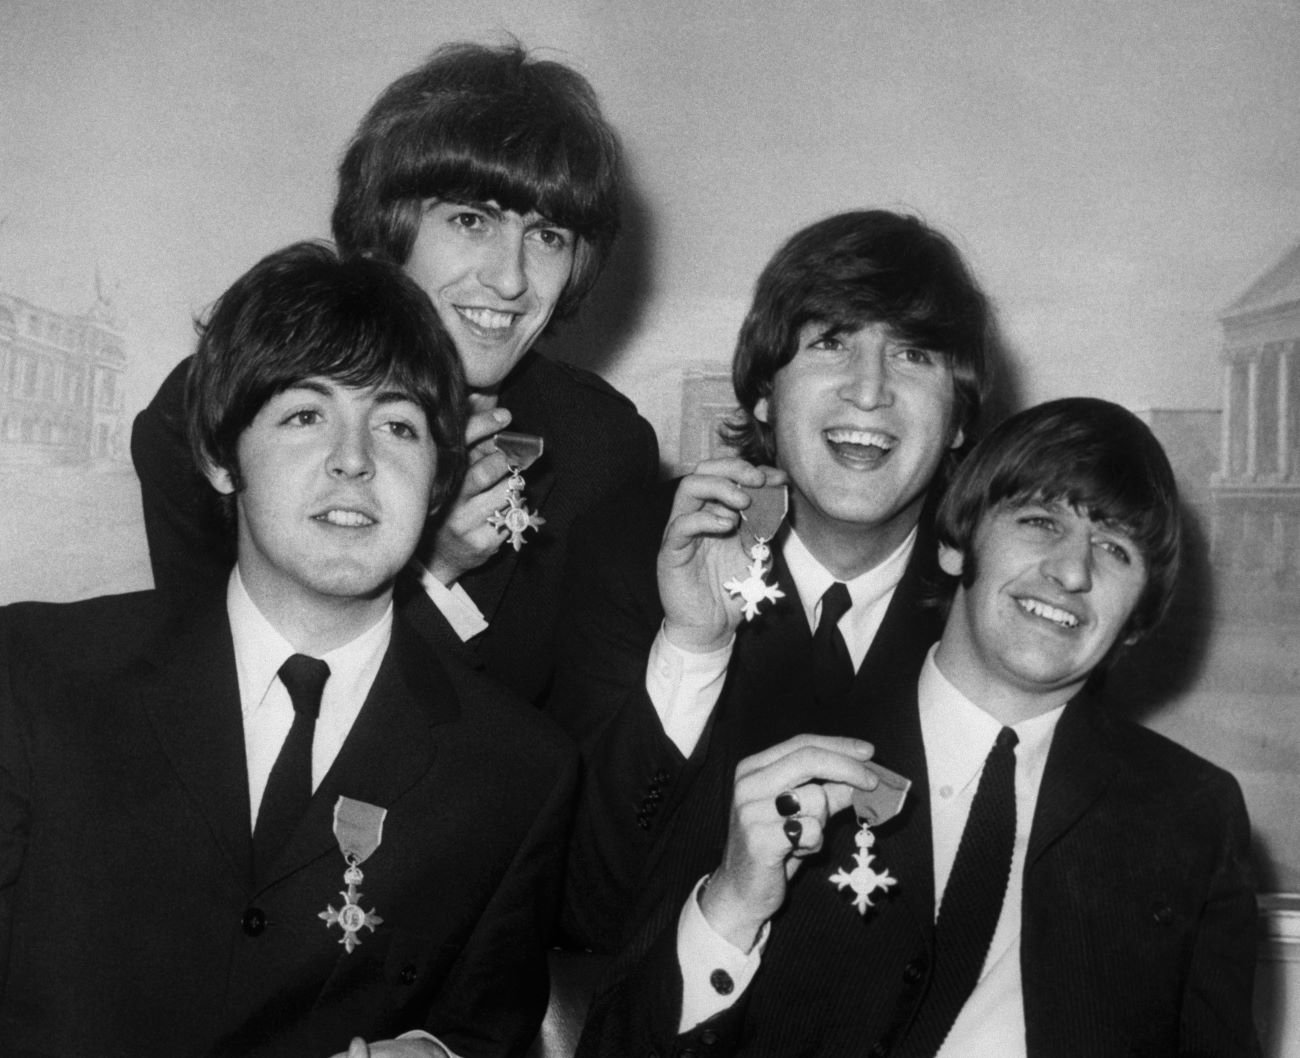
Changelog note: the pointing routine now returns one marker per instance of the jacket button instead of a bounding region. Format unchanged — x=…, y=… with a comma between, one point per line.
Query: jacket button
x=878, y=1050
x=253, y=921
x=1163, y=914
x=408, y=974
x=913, y=971
x=708, y=1037
x=722, y=982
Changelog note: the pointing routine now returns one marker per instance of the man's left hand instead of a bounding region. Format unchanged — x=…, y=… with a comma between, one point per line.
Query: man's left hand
x=358, y=1048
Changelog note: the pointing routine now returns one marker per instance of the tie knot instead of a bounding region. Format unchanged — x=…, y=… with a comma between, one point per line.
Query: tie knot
x=835, y=604
x=1007, y=740
x=304, y=678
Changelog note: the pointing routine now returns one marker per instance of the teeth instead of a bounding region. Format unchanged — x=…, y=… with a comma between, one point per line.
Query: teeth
x=347, y=519
x=1052, y=613
x=843, y=436
x=488, y=319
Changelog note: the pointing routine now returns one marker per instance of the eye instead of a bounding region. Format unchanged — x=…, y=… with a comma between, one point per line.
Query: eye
x=556, y=239
x=912, y=354
x=828, y=342
x=403, y=429
x=468, y=220
x=1040, y=522
x=1116, y=550
x=301, y=417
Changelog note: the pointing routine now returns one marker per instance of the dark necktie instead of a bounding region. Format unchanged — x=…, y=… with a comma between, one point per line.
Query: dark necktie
x=288, y=789
x=972, y=899
x=832, y=666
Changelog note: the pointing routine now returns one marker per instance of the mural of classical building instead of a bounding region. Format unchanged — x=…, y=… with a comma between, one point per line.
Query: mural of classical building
x=1256, y=491
x=61, y=393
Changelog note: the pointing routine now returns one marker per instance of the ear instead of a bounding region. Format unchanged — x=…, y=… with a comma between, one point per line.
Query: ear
x=219, y=478
x=951, y=561
x=762, y=410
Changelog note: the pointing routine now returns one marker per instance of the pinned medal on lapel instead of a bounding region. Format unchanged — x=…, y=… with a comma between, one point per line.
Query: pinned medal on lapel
x=521, y=450
x=359, y=828
x=872, y=808
x=760, y=520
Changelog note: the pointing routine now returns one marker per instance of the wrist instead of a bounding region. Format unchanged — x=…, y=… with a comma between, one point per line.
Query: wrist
x=695, y=640
x=727, y=914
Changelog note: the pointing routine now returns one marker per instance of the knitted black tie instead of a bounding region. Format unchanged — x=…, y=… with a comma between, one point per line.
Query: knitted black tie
x=832, y=666
x=972, y=900
x=288, y=789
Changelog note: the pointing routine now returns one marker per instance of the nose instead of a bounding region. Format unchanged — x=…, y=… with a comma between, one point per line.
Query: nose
x=1069, y=562
x=502, y=268
x=866, y=380
x=350, y=453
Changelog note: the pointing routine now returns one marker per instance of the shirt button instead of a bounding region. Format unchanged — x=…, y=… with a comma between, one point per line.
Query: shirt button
x=945, y=791
x=722, y=982
x=253, y=921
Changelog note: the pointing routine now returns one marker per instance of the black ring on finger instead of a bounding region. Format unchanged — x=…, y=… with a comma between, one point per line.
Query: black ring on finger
x=794, y=831
x=787, y=803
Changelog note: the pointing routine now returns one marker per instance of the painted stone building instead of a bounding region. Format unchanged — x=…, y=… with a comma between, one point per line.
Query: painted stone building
x=61, y=393
x=1256, y=491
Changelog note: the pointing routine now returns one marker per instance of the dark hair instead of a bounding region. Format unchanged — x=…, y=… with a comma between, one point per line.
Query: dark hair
x=477, y=124
x=303, y=312
x=1094, y=456
x=865, y=266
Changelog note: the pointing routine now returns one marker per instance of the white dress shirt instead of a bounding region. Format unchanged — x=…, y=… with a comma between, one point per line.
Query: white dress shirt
x=684, y=686
x=464, y=616
x=957, y=737
x=260, y=650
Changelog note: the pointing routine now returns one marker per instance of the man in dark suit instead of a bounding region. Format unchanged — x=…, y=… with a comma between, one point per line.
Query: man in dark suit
x=1058, y=882
x=860, y=372
x=494, y=181
x=284, y=824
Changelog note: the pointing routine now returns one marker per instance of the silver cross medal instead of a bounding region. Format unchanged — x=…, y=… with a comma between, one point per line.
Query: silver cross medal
x=359, y=827
x=762, y=518
x=872, y=808
x=521, y=450
x=350, y=917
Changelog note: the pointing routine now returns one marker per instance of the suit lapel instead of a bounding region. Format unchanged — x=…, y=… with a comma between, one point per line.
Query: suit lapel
x=1079, y=768
x=192, y=699
x=390, y=748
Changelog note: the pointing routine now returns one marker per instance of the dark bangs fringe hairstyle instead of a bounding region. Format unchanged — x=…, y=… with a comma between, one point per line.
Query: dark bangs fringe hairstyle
x=303, y=312
x=478, y=124
x=1092, y=455
x=849, y=270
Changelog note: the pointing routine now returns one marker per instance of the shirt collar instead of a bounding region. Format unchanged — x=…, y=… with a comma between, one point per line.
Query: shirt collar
x=260, y=650
x=811, y=578
x=958, y=734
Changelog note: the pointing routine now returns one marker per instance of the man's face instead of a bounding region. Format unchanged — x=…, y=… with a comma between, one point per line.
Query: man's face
x=494, y=276
x=1053, y=591
x=337, y=485
x=861, y=422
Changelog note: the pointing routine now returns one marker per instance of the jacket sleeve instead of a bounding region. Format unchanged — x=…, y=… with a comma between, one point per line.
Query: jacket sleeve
x=1217, y=1012
x=495, y=996
x=191, y=545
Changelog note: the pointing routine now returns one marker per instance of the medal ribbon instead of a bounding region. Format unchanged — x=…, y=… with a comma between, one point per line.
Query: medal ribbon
x=521, y=450
x=359, y=828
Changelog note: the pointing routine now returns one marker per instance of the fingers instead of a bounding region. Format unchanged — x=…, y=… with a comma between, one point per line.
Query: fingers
x=807, y=749
x=484, y=421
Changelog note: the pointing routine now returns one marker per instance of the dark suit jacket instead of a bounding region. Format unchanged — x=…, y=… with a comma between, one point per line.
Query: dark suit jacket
x=596, y=446
x=648, y=821
x=129, y=921
x=1137, y=928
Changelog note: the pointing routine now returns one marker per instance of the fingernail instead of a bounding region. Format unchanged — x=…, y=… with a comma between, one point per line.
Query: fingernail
x=501, y=415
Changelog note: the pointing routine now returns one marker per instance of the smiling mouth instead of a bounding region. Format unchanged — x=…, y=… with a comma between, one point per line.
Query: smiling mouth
x=345, y=519
x=489, y=321
x=1038, y=608
x=861, y=446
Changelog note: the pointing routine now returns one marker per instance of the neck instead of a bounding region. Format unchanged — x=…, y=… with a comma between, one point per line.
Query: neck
x=846, y=550
x=1007, y=704
x=316, y=624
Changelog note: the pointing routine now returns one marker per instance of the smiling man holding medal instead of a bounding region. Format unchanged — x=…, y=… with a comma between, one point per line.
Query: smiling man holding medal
x=491, y=177
x=284, y=824
x=860, y=373
x=1057, y=882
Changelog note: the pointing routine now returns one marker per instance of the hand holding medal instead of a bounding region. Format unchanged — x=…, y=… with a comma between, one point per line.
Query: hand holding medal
x=715, y=555
x=521, y=450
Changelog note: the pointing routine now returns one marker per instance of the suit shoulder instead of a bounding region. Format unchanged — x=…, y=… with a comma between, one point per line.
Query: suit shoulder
x=585, y=385
x=1167, y=763
x=102, y=634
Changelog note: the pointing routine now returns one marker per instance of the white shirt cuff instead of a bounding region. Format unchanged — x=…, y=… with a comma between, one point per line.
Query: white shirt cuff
x=684, y=687
x=465, y=618
x=715, y=973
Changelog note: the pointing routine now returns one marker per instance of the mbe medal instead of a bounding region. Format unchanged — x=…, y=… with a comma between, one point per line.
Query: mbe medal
x=359, y=828
x=872, y=807
x=761, y=519
x=521, y=450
